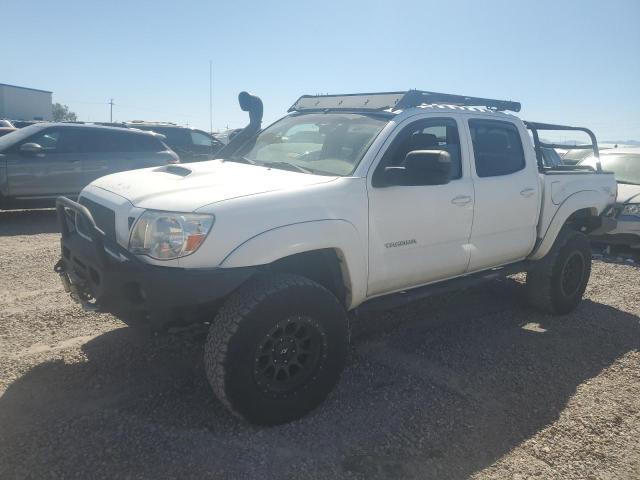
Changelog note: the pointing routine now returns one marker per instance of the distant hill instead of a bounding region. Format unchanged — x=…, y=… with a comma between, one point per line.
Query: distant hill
x=569, y=143
x=635, y=143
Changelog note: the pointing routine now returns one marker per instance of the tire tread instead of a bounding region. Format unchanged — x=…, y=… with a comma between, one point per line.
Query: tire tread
x=229, y=319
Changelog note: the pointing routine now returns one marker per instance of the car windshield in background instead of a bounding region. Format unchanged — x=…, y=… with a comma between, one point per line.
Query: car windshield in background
x=326, y=143
x=626, y=166
x=575, y=155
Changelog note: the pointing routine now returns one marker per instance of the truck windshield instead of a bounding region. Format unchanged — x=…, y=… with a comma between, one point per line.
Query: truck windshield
x=322, y=143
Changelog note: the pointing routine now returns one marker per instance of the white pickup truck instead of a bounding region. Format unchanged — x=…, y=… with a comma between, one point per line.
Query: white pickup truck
x=350, y=202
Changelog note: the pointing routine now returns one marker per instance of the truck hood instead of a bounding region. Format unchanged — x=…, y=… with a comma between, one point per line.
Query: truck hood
x=628, y=193
x=187, y=187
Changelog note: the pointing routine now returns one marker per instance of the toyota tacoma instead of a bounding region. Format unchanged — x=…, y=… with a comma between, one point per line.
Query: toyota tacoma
x=348, y=203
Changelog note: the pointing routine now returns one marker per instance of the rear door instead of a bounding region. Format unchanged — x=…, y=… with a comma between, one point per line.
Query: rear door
x=56, y=170
x=146, y=150
x=99, y=157
x=117, y=151
x=507, y=194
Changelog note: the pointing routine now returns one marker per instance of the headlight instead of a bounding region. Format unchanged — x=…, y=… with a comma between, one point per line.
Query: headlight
x=169, y=235
x=631, y=209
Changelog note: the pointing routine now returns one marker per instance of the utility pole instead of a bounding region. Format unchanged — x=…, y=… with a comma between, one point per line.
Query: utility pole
x=111, y=111
x=211, y=97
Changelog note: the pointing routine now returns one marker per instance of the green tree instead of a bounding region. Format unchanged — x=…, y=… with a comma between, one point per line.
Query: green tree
x=61, y=113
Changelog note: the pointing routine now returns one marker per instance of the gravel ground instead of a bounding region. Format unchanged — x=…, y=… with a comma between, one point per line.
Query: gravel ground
x=471, y=384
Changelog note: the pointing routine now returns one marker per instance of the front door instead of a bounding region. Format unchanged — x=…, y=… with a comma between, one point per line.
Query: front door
x=56, y=170
x=420, y=234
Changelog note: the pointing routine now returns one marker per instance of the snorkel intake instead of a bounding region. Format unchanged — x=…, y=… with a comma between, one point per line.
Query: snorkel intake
x=253, y=105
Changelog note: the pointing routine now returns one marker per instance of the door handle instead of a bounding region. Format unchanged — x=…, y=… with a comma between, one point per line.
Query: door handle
x=527, y=192
x=461, y=200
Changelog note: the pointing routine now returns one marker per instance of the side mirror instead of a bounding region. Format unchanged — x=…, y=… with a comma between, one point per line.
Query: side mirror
x=31, y=148
x=421, y=167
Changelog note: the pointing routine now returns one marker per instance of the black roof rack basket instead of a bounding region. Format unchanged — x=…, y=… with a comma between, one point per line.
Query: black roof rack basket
x=538, y=144
x=395, y=101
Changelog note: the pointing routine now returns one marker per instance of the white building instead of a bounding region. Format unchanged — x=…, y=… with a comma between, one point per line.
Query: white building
x=21, y=103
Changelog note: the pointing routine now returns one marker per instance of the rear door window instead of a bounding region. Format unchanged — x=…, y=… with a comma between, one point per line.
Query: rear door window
x=148, y=143
x=497, y=148
x=114, y=141
x=201, y=139
x=175, y=136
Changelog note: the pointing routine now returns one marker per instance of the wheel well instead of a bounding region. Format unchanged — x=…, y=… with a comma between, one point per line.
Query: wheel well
x=584, y=220
x=323, y=266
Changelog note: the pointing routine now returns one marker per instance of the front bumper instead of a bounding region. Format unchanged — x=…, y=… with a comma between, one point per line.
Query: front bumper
x=622, y=229
x=103, y=276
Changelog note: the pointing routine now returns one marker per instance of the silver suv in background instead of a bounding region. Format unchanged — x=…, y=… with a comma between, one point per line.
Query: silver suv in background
x=624, y=162
x=45, y=160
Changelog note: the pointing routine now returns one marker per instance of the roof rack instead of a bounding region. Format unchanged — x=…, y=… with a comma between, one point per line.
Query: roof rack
x=150, y=122
x=395, y=101
x=538, y=144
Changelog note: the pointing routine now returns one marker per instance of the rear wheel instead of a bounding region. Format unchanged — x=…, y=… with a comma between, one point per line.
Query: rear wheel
x=276, y=348
x=557, y=282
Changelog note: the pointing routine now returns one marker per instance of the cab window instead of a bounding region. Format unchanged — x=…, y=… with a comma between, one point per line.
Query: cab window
x=497, y=148
x=426, y=134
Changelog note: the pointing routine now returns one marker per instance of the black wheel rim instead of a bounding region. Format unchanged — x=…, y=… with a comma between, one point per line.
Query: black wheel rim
x=290, y=356
x=572, y=274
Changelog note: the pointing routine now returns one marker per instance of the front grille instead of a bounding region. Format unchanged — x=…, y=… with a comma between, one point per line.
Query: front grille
x=104, y=217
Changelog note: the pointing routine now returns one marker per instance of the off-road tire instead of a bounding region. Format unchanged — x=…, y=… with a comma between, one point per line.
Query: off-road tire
x=235, y=346
x=549, y=286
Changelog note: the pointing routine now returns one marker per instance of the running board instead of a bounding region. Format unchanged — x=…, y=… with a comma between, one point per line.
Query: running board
x=405, y=297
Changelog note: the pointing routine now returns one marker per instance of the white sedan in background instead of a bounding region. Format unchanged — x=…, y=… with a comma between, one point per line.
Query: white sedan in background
x=625, y=164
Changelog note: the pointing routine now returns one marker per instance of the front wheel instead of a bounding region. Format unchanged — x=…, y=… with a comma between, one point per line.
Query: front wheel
x=276, y=348
x=556, y=283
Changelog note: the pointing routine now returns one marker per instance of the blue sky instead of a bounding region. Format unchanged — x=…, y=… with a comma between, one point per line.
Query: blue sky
x=567, y=61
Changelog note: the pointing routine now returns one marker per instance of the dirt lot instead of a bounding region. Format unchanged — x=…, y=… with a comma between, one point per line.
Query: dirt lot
x=471, y=384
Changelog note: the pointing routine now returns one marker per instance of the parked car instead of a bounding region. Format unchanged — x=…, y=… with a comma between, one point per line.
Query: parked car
x=25, y=123
x=551, y=158
x=574, y=156
x=45, y=160
x=6, y=127
x=350, y=203
x=192, y=145
x=227, y=135
x=625, y=164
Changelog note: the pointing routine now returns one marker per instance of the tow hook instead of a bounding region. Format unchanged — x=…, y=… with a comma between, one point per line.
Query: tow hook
x=64, y=278
x=75, y=291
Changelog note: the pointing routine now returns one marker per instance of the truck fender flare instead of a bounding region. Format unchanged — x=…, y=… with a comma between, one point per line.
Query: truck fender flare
x=284, y=241
x=568, y=207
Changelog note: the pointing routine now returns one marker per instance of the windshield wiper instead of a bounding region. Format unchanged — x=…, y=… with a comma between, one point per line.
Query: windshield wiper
x=241, y=160
x=287, y=166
